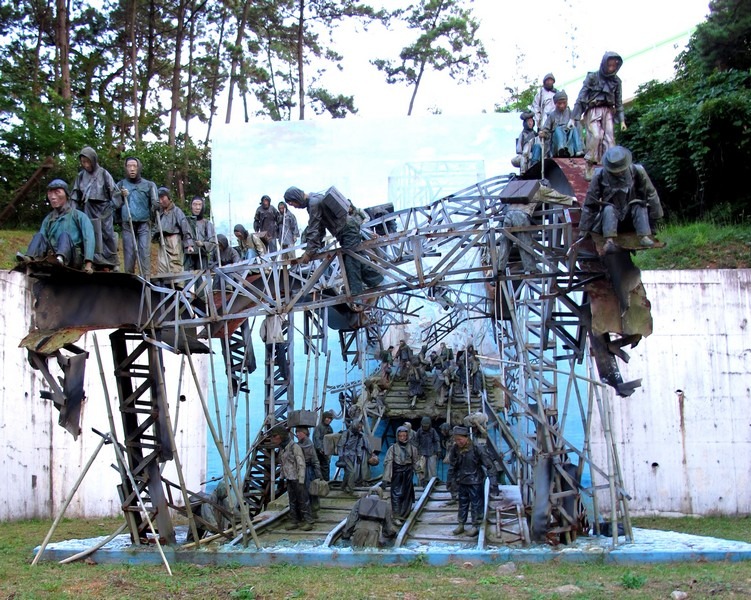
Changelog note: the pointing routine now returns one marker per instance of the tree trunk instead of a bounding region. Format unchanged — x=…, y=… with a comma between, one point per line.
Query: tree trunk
x=417, y=85
x=276, y=116
x=189, y=94
x=300, y=54
x=150, y=57
x=215, y=76
x=176, y=74
x=134, y=67
x=236, y=57
x=35, y=78
x=62, y=39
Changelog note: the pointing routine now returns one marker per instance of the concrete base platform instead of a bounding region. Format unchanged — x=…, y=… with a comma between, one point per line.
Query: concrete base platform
x=650, y=546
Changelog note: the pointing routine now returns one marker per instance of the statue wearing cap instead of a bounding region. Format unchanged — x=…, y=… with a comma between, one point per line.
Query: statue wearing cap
x=66, y=233
x=543, y=102
x=565, y=141
x=172, y=233
x=330, y=210
x=620, y=198
x=319, y=434
x=528, y=152
x=428, y=444
x=469, y=464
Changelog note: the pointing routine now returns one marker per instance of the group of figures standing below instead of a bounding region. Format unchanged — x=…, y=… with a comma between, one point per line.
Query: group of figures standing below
x=448, y=373
x=412, y=458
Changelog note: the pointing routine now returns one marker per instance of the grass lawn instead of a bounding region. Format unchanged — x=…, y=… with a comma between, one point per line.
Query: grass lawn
x=699, y=246
x=529, y=581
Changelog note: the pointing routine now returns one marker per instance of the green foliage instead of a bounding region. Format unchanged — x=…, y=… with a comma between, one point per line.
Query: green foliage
x=723, y=41
x=699, y=245
x=447, y=41
x=693, y=138
x=692, y=134
x=518, y=101
x=337, y=106
x=632, y=581
x=243, y=593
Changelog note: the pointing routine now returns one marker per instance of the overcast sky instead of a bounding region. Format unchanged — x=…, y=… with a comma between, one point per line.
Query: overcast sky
x=567, y=37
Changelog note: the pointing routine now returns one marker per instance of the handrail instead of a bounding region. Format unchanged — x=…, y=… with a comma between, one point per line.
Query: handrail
x=419, y=505
x=483, y=523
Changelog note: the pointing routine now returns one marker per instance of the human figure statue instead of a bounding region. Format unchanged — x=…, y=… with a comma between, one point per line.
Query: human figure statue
x=415, y=382
x=330, y=211
x=410, y=432
x=446, y=355
x=95, y=193
x=292, y=463
x=517, y=215
x=475, y=373
x=221, y=503
x=423, y=359
x=378, y=384
x=252, y=245
x=528, y=151
x=319, y=433
x=542, y=105
x=399, y=467
x=140, y=203
x=358, y=214
x=470, y=465
x=462, y=368
x=267, y=221
x=354, y=451
x=600, y=105
x=227, y=254
x=204, y=238
x=387, y=355
x=66, y=233
x=450, y=376
x=172, y=234
x=288, y=230
x=620, y=198
x=447, y=442
x=369, y=520
x=312, y=465
x=403, y=358
x=565, y=141
x=428, y=444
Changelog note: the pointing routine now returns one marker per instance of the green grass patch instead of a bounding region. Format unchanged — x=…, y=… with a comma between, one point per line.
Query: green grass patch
x=700, y=245
x=595, y=580
x=726, y=528
x=12, y=241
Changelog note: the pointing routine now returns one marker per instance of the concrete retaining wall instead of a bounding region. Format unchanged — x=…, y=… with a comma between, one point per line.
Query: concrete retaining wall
x=688, y=452
x=40, y=461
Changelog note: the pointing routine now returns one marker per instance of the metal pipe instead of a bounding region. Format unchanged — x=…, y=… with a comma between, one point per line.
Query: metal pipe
x=68, y=500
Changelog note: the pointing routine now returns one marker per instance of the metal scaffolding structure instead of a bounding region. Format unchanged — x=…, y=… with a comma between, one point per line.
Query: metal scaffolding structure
x=455, y=252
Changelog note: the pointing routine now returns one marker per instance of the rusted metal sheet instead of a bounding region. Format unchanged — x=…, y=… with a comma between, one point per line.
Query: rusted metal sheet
x=573, y=170
x=49, y=341
x=66, y=298
x=607, y=315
